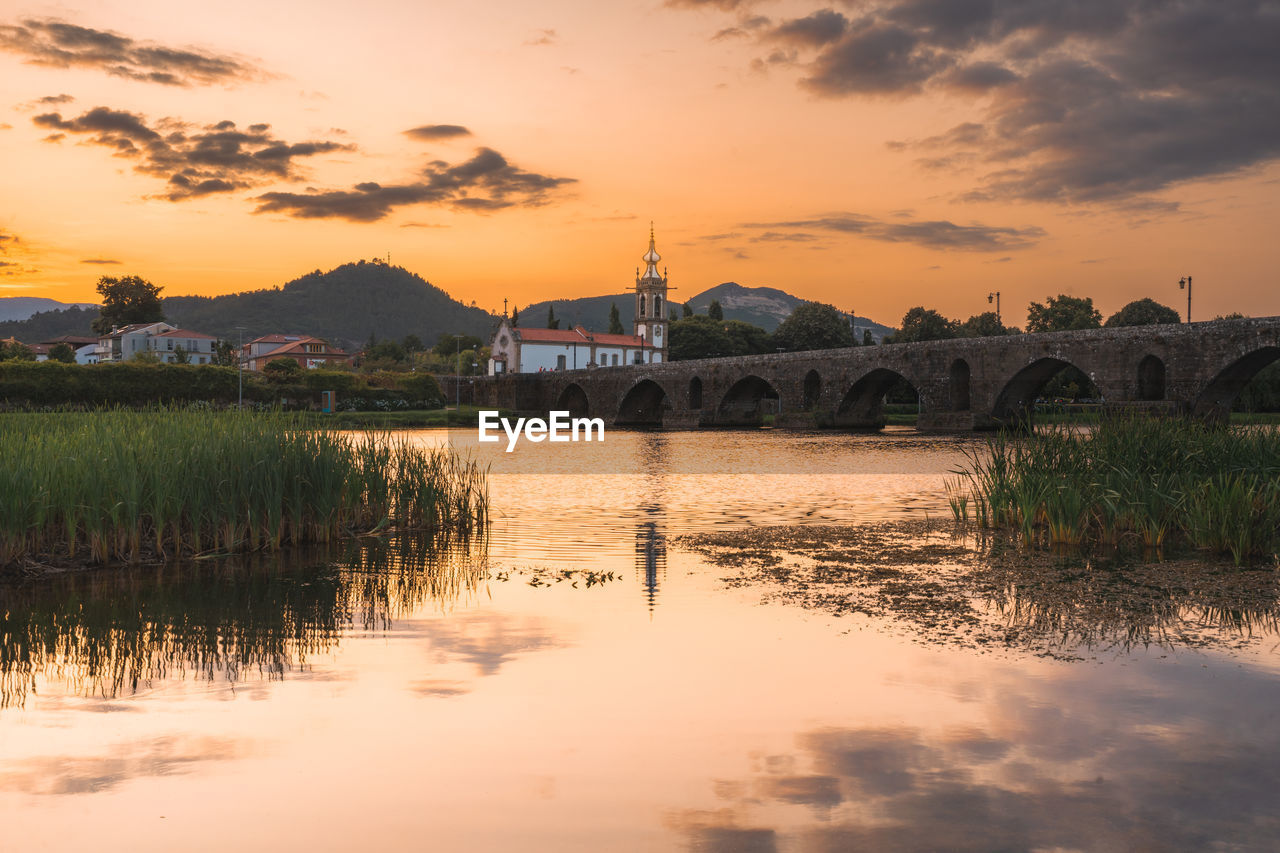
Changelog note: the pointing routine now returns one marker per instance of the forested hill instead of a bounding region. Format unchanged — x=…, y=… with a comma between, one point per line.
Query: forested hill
x=344, y=305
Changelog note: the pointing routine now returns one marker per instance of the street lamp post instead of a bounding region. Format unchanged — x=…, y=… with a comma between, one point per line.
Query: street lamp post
x=995, y=297
x=240, y=367
x=1185, y=284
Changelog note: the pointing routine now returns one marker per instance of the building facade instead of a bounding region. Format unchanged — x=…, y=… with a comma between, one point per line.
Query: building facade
x=168, y=343
x=309, y=352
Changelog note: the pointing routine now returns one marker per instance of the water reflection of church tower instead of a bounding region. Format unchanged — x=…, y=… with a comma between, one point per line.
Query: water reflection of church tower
x=651, y=559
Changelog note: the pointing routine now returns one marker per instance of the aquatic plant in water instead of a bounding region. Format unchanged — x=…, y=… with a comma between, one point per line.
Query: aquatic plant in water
x=128, y=486
x=1143, y=480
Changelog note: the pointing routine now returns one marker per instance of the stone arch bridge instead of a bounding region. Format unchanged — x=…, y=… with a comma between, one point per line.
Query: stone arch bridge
x=967, y=384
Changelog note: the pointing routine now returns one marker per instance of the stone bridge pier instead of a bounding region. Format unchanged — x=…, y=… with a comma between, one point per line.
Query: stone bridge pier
x=967, y=384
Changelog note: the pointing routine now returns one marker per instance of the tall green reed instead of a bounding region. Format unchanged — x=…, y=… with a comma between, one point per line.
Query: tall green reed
x=1151, y=481
x=127, y=486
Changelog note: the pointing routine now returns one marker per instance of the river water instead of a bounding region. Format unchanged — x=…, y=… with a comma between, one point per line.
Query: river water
x=585, y=681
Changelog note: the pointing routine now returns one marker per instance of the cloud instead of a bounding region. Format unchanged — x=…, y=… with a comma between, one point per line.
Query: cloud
x=433, y=132
x=486, y=182
x=724, y=5
x=103, y=261
x=1096, y=101
x=58, y=44
x=933, y=234
x=542, y=37
x=194, y=161
x=7, y=242
x=821, y=27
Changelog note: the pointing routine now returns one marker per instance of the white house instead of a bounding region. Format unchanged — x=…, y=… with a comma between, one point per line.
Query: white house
x=519, y=350
x=161, y=339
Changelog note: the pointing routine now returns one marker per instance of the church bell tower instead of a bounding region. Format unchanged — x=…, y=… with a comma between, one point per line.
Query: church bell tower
x=651, y=302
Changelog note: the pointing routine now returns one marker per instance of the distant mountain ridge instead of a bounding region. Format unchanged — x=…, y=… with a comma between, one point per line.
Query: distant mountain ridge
x=18, y=308
x=761, y=306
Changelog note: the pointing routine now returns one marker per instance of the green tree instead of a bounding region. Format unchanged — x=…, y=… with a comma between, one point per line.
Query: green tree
x=412, y=344
x=1063, y=313
x=813, y=325
x=225, y=353
x=552, y=321
x=1143, y=312
x=925, y=324
x=63, y=353
x=615, y=321
x=714, y=311
x=16, y=351
x=125, y=300
x=449, y=346
x=282, y=369
x=985, y=325
x=515, y=316
x=746, y=339
x=145, y=356
x=385, y=351
x=686, y=310
x=698, y=337
x=181, y=356
x=867, y=339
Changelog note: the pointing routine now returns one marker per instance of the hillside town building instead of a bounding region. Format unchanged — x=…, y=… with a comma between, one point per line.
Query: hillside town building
x=168, y=343
x=309, y=352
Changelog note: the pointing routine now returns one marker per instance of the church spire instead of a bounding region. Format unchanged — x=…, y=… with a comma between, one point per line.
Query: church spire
x=651, y=258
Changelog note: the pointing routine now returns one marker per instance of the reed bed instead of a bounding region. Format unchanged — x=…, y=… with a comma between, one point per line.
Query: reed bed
x=1153, y=481
x=124, y=486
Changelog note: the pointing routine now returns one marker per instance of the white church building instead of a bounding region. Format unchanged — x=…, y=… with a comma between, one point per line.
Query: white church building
x=515, y=349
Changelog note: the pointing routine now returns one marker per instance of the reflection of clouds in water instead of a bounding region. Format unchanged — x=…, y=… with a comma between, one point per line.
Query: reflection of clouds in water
x=1063, y=765
x=165, y=756
x=488, y=640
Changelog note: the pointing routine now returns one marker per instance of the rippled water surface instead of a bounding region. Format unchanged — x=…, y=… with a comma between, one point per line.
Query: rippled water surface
x=582, y=682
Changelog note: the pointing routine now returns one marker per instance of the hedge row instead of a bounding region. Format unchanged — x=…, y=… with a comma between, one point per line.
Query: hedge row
x=40, y=384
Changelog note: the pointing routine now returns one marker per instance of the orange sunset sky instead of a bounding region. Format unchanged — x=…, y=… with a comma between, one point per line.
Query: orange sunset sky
x=875, y=155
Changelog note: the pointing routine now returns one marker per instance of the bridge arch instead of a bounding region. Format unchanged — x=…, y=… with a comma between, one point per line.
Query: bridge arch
x=812, y=390
x=1016, y=400
x=746, y=402
x=1216, y=398
x=574, y=401
x=643, y=405
x=958, y=379
x=1151, y=378
x=695, y=393
x=862, y=406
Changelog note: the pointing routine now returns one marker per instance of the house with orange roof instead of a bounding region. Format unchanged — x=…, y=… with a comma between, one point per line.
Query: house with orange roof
x=309, y=352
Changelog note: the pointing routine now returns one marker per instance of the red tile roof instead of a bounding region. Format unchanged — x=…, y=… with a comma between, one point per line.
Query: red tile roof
x=579, y=335
x=185, y=333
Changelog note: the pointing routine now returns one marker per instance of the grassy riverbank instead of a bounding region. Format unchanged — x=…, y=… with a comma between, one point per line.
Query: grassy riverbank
x=1146, y=480
x=131, y=486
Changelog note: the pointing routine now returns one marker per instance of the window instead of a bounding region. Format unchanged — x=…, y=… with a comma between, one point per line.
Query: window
x=170, y=343
x=615, y=359
x=560, y=362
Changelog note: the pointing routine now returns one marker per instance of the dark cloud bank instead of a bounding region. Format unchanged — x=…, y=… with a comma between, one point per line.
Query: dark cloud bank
x=932, y=234
x=196, y=161
x=193, y=160
x=58, y=44
x=1082, y=100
